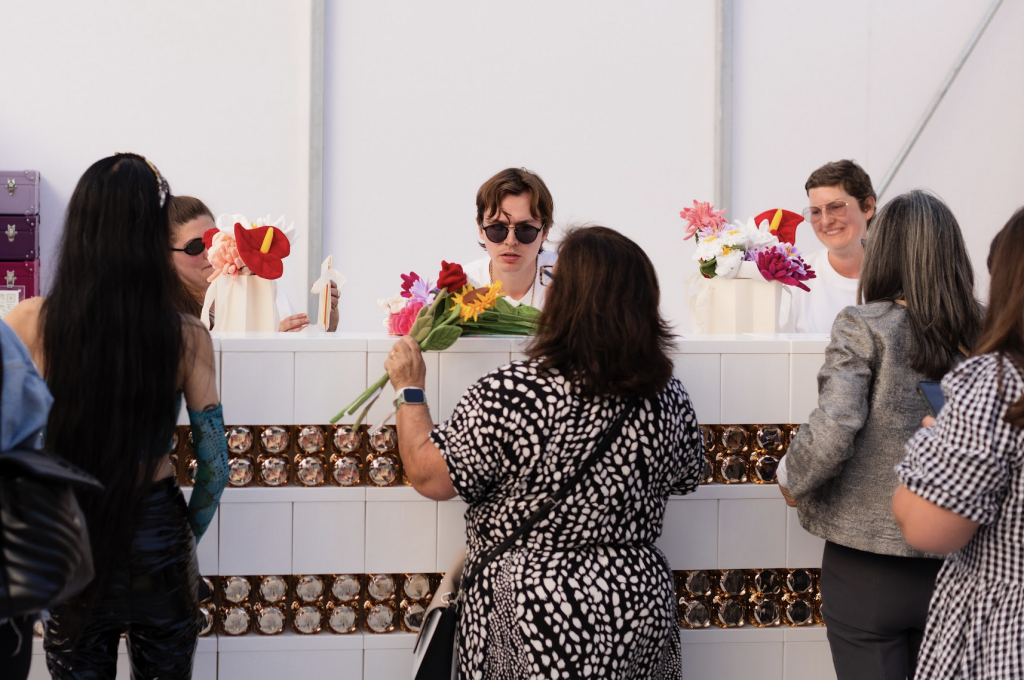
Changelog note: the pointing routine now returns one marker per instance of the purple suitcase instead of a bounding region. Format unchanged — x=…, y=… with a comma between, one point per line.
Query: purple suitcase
x=18, y=280
x=19, y=237
x=19, y=192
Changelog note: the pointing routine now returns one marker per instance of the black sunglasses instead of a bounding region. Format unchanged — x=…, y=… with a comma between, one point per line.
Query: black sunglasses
x=497, y=233
x=193, y=247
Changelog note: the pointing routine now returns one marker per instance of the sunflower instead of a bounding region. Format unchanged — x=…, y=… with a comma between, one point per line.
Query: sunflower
x=473, y=301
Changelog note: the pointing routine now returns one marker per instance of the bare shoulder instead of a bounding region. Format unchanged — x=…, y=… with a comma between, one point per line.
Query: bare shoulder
x=24, y=320
x=195, y=338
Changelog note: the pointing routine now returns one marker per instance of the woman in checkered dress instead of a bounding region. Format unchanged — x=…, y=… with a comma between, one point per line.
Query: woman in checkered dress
x=962, y=491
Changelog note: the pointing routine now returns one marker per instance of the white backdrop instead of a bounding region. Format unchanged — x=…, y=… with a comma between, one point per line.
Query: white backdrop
x=818, y=81
x=610, y=102
x=216, y=94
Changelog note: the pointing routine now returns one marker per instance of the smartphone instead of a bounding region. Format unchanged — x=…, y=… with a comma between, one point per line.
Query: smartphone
x=931, y=395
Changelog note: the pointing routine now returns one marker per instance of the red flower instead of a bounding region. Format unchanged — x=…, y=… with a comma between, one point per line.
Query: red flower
x=775, y=265
x=786, y=231
x=401, y=323
x=208, y=237
x=266, y=265
x=451, y=277
x=407, y=281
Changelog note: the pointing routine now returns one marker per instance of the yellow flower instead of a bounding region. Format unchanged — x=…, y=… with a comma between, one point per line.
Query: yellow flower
x=474, y=301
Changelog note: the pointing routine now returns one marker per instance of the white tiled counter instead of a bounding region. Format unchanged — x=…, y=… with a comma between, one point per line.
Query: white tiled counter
x=305, y=379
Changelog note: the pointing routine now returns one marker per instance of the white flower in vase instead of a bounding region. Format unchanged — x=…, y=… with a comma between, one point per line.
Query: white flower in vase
x=727, y=265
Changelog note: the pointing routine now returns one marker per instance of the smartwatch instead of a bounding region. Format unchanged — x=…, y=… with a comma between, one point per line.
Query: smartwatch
x=411, y=395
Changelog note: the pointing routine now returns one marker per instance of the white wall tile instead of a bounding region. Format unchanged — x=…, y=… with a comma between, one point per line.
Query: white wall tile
x=259, y=388
x=335, y=664
x=207, y=551
x=451, y=531
x=255, y=538
x=803, y=550
x=732, y=661
x=755, y=388
x=325, y=382
x=808, y=661
x=803, y=385
x=385, y=404
x=459, y=371
x=328, y=538
x=204, y=667
x=387, y=664
x=401, y=536
x=689, y=538
x=752, y=534
x=701, y=375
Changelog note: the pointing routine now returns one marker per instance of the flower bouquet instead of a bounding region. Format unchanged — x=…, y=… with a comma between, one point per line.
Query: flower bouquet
x=755, y=254
x=438, y=314
x=247, y=258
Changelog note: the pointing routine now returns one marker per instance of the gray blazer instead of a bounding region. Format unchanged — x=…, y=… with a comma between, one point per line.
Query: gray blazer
x=840, y=465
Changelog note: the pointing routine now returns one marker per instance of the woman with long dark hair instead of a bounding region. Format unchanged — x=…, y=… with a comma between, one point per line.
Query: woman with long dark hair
x=584, y=592
x=917, y=319
x=118, y=356
x=962, y=491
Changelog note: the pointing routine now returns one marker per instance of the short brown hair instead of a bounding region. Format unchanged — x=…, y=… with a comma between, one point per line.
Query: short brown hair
x=183, y=209
x=601, y=326
x=846, y=174
x=1003, y=331
x=513, y=182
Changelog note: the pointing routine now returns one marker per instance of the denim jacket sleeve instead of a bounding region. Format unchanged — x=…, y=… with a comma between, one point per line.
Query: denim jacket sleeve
x=25, y=401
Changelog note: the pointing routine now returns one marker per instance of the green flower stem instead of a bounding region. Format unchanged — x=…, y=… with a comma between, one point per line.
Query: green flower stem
x=361, y=399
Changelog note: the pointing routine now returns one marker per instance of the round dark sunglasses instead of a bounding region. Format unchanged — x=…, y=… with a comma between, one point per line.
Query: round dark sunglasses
x=192, y=247
x=497, y=233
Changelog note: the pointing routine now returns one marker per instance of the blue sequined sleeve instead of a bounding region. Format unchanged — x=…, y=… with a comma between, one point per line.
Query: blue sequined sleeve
x=212, y=467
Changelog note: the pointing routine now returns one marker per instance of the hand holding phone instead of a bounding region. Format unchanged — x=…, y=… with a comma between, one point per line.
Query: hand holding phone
x=931, y=395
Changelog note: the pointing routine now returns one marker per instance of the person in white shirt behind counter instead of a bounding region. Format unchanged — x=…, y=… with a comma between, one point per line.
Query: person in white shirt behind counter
x=842, y=203
x=514, y=214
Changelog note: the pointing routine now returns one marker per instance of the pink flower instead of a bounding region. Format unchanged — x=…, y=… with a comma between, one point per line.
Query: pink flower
x=223, y=255
x=779, y=264
x=407, y=281
x=701, y=216
x=401, y=323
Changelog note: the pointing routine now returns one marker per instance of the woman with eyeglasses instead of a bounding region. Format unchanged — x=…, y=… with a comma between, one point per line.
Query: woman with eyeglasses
x=118, y=364
x=917, y=320
x=190, y=219
x=514, y=212
x=842, y=205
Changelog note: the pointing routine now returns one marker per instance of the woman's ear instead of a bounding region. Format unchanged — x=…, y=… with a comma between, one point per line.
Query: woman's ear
x=869, y=211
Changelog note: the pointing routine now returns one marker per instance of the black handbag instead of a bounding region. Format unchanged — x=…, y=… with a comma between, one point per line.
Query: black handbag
x=45, y=556
x=436, y=656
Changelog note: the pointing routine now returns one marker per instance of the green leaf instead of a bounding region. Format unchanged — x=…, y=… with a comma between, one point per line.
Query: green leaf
x=441, y=338
x=708, y=268
x=424, y=320
x=503, y=305
x=440, y=307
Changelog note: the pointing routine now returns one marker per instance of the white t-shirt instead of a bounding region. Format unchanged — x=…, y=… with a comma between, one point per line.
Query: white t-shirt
x=815, y=311
x=479, y=275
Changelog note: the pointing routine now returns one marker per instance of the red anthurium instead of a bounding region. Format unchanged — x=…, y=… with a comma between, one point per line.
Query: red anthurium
x=451, y=277
x=787, y=227
x=266, y=265
x=208, y=237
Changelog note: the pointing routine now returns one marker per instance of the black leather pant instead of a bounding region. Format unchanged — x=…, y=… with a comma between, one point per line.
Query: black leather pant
x=152, y=599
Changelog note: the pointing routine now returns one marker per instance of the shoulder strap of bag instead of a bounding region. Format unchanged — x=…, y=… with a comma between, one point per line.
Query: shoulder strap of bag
x=547, y=506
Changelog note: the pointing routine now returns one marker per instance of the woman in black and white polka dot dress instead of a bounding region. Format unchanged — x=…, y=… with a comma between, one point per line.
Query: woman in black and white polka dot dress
x=585, y=594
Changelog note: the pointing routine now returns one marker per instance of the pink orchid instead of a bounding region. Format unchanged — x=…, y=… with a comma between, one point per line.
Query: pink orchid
x=407, y=281
x=702, y=216
x=401, y=323
x=223, y=255
x=776, y=264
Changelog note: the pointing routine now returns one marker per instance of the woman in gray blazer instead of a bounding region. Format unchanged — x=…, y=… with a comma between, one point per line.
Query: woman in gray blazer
x=917, y=317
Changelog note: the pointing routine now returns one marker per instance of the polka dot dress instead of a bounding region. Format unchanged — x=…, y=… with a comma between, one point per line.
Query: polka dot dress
x=585, y=594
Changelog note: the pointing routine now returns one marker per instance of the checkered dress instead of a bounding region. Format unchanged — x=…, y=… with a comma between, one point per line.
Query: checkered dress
x=971, y=463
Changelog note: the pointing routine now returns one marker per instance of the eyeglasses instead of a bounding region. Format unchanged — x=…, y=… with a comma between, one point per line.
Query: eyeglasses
x=192, y=247
x=497, y=233
x=834, y=208
x=547, y=274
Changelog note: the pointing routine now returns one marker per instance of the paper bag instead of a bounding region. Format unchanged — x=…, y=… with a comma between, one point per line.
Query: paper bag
x=244, y=303
x=744, y=304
